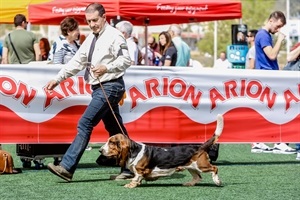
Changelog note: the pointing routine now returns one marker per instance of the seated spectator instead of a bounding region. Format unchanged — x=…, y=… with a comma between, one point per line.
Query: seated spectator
x=167, y=51
x=222, y=62
x=65, y=46
x=45, y=48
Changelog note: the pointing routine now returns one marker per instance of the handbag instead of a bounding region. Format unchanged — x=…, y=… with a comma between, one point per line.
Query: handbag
x=7, y=163
x=293, y=66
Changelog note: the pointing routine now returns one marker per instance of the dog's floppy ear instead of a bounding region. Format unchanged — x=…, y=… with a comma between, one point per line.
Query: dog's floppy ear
x=123, y=148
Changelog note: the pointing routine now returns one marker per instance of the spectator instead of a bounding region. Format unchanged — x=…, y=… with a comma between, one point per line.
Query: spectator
x=104, y=56
x=167, y=51
x=250, y=57
x=266, y=59
x=183, y=50
x=65, y=46
x=45, y=48
x=140, y=56
x=151, y=49
x=126, y=29
x=222, y=62
x=294, y=56
x=20, y=46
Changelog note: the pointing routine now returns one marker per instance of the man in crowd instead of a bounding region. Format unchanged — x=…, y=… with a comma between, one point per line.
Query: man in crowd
x=126, y=29
x=183, y=50
x=20, y=46
x=266, y=59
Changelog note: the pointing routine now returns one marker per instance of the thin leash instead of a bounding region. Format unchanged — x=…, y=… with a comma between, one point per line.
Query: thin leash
x=89, y=66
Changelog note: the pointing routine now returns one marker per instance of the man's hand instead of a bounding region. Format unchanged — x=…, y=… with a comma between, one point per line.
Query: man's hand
x=51, y=85
x=281, y=36
x=99, y=70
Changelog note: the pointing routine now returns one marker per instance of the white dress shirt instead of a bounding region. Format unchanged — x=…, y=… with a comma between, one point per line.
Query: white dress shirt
x=110, y=50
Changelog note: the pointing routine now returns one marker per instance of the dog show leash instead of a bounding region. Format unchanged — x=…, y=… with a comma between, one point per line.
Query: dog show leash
x=89, y=66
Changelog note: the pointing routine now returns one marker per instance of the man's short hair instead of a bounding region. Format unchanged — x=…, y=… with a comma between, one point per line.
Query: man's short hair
x=278, y=15
x=125, y=27
x=93, y=7
x=19, y=19
x=176, y=29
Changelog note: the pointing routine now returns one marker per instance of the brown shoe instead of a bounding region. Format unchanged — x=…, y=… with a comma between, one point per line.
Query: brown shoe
x=60, y=171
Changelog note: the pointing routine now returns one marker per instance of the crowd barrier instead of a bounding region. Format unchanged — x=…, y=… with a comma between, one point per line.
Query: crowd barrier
x=163, y=105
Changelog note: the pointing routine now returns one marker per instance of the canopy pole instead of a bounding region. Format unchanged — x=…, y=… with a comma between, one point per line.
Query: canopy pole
x=215, y=40
x=146, y=41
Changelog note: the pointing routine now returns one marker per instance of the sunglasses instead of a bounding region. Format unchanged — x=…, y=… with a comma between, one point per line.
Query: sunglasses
x=249, y=36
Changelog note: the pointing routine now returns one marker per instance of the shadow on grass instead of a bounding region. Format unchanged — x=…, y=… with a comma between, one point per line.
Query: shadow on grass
x=147, y=184
x=225, y=162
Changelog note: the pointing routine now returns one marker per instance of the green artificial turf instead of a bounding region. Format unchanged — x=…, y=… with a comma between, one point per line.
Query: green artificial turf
x=244, y=175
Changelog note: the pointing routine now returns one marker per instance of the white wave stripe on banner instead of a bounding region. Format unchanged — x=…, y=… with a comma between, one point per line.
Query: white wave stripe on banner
x=200, y=94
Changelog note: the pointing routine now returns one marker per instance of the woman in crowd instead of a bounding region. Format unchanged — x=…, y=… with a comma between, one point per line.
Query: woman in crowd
x=167, y=51
x=45, y=48
x=65, y=46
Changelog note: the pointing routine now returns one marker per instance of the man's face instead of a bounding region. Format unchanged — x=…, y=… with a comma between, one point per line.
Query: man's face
x=95, y=22
x=275, y=25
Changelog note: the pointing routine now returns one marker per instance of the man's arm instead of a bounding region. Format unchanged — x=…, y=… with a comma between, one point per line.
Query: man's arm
x=273, y=52
x=294, y=54
x=37, y=51
x=4, y=55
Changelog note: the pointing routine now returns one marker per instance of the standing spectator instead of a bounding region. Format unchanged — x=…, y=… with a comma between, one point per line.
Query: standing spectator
x=250, y=57
x=20, y=46
x=45, y=48
x=126, y=29
x=183, y=50
x=266, y=59
x=222, y=62
x=65, y=46
x=167, y=51
x=151, y=49
x=294, y=56
x=104, y=56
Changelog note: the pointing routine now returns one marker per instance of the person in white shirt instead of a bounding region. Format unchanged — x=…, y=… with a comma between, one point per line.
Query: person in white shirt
x=222, y=62
x=104, y=66
x=250, y=57
x=126, y=29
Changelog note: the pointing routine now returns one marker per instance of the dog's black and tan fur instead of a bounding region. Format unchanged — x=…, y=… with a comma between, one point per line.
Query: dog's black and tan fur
x=150, y=162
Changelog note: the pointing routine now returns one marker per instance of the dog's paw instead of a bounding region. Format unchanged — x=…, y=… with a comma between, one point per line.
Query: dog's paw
x=132, y=184
x=216, y=180
x=191, y=183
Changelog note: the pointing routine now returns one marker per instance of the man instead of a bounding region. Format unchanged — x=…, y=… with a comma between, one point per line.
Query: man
x=266, y=59
x=126, y=29
x=250, y=57
x=26, y=45
x=183, y=50
x=106, y=64
x=266, y=54
x=222, y=62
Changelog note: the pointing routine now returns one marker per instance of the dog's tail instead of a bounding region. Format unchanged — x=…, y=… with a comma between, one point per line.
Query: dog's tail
x=217, y=134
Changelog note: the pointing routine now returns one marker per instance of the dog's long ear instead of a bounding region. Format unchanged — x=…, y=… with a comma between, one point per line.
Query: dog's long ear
x=123, y=146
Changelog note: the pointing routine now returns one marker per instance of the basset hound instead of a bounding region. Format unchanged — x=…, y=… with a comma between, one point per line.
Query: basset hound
x=151, y=162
